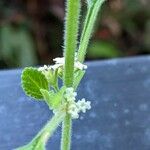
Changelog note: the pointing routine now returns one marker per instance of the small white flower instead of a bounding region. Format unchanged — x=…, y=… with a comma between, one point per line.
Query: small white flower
x=73, y=111
x=44, y=68
x=69, y=90
x=55, y=66
x=60, y=61
x=75, y=115
x=80, y=66
x=70, y=94
x=76, y=107
x=84, y=105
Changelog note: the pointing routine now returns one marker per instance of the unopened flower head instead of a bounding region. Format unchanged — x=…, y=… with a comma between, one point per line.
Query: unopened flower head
x=73, y=111
x=84, y=105
x=70, y=95
x=74, y=107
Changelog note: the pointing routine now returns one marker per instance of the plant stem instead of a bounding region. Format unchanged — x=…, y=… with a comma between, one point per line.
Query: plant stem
x=90, y=19
x=70, y=37
x=70, y=46
x=51, y=126
x=66, y=133
x=45, y=133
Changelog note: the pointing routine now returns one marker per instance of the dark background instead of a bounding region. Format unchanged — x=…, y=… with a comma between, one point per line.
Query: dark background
x=31, y=31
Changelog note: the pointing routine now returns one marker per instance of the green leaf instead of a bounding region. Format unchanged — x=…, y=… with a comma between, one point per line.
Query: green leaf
x=60, y=73
x=51, y=77
x=53, y=99
x=78, y=77
x=32, y=81
x=48, y=96
x=58, y=97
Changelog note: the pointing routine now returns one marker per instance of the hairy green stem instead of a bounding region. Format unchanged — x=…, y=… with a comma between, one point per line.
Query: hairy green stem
x=93, y=9
x=70, y=39
x=51, y=126
x=66, y=134
x=70, y=46
x=40, y=140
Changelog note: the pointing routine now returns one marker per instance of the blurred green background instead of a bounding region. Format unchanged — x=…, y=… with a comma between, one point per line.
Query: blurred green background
x=31, y=31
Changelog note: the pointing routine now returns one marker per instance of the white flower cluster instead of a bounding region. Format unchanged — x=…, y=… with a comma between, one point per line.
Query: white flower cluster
x=59, y=62
x=44, y=68
x=70, y=95
x=75, y=108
